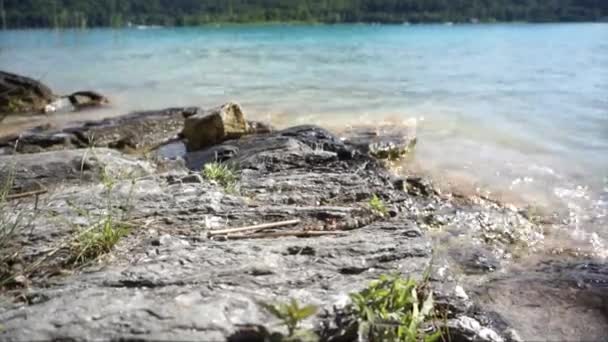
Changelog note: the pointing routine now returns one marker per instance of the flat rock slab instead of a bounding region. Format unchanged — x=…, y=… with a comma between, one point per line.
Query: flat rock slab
x=203, y=290
x=29, y=172
x=169, y=281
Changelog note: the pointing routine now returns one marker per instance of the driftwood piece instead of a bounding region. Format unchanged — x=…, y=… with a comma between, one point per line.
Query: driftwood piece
x=254, y=228
x=299, y=234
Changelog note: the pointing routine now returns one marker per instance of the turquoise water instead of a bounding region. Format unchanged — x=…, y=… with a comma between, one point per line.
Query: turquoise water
x=506, y=108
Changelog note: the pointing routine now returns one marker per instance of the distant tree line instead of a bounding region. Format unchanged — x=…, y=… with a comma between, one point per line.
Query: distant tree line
x=94, y=13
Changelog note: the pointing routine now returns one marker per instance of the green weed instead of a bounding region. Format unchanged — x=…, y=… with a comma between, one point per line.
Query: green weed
x=12, y=221
x=394, y=309
x=291, y=315
x=223, y=174
x=377, y=206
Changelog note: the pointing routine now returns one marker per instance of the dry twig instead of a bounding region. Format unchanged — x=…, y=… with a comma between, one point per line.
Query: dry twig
x=300, y=234
x=254, y=228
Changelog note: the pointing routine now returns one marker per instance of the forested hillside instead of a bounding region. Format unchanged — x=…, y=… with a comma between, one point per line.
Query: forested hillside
x=78, y=13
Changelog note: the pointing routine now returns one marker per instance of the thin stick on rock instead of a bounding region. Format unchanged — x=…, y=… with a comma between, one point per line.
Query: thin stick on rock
x=300, y=234
x=26, y=194
x=254, y=228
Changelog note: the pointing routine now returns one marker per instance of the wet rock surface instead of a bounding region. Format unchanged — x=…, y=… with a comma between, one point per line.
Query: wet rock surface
x=554, y=289
x=169, y=279
x=383, y=142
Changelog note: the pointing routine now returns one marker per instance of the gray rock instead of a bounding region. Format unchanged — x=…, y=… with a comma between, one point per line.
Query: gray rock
x=468, y=329
x=475, y=260
x=169, y=281
x=51, y=169
x=193, y=178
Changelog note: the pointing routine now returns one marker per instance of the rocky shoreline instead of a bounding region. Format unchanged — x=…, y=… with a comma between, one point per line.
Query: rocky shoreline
x=172, y=278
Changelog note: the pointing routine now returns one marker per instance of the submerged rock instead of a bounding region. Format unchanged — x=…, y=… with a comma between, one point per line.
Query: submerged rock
x=77, y=101
x=210, y=127
x=257, y=127
x=85, y=99
x=383, y=142
x=569, y=300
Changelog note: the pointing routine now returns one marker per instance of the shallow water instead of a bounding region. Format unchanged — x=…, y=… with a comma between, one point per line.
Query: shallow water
x=518, y=110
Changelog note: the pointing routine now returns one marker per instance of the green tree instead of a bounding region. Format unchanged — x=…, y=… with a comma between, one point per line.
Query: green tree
x=79, y=13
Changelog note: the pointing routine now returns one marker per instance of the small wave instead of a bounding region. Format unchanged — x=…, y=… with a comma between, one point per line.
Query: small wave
x=576, y=193
x=544, y=170
x=517, y=181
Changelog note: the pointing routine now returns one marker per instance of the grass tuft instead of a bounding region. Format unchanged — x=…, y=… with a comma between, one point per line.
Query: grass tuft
x=98, y=240
x=9, y=221
x=377, y=206
x=394, y=309
x=12, y=221
x=223, y=174
x=101, y=236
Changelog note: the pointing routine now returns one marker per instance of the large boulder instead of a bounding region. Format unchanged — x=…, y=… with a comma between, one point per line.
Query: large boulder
x=20, y=94
x=210, y=127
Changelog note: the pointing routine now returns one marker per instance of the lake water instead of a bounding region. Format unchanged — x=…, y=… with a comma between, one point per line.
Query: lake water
x=519, y=110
